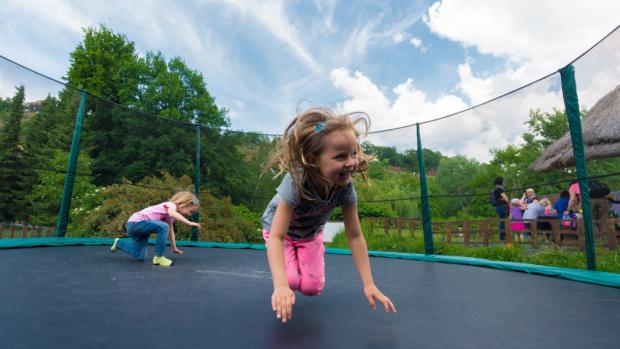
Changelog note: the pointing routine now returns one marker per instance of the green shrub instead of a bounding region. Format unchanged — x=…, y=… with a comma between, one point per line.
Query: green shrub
x=608, y=261
x=220, y=220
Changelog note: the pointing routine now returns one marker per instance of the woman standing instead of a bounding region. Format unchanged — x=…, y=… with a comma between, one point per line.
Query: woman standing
x=501, y=203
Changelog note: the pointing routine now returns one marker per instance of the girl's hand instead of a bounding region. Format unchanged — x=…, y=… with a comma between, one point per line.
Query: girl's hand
x=195, y=224
x=176, y=250
x=282, y=301
x=372, y=293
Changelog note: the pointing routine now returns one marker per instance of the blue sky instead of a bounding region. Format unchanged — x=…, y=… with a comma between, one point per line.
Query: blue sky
x=400, y=61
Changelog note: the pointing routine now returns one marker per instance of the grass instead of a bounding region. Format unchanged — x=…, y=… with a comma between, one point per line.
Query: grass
x=549, y=255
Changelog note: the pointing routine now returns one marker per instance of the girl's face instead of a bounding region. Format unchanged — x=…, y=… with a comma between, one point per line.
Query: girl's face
x=339, y=159
x=187, y=210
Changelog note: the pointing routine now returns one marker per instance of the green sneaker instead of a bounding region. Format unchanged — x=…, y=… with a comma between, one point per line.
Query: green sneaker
x=113, y=247
x=162, y=261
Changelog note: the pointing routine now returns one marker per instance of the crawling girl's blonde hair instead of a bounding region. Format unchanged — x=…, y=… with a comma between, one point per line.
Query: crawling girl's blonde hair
x=184, y=199
x=299, y=148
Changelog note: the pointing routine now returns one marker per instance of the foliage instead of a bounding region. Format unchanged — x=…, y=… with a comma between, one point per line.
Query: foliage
x=378, y=197
x=407, y=159
x=220, y=219
x=608, y=261
x=106, y=65
x=174, y=91
x=455, y=176
x=15, y=174
x=5, y=105
x=130, y=144
x=47, y=192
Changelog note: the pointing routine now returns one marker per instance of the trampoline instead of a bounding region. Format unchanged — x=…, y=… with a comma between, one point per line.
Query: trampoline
x=87, y=297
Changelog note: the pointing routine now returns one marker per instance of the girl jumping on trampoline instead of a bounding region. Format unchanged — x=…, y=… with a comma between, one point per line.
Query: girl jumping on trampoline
x=320, y=151
x=157, y=219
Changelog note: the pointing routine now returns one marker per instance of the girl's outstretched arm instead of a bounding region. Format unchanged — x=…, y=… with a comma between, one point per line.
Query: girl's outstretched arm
x=179, y=217
x=359, y=250
x=173, y=240
x=283, y=297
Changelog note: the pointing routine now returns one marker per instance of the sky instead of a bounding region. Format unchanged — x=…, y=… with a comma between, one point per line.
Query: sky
x=401, y=62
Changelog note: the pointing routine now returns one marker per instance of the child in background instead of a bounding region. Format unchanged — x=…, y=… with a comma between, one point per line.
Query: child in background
x=516, y=212
x=158, y=219
x=320, y=151
x=549, y=211
x=567, y=219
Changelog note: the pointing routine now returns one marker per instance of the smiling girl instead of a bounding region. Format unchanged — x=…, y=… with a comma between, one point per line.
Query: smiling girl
x=320, y=151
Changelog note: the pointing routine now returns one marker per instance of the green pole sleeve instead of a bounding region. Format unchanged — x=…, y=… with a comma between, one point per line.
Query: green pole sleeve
x=426, y=210
x=196, y=215
x=65, y=203
x=571, y=103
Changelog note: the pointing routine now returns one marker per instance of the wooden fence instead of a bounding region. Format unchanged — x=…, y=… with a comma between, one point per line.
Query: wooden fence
x=23, y=230
x=483, y=232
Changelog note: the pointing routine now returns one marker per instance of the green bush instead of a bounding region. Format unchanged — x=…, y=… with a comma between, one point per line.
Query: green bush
x=220, y=220
x=608, y=261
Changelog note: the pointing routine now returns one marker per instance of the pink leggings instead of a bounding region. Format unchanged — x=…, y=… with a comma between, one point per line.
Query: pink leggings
x=304, y=264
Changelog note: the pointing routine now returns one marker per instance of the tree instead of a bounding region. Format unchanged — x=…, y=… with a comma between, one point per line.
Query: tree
x=173, y=90
x=15, y=175
x=133, y=143
x=37, y=133
x=431, y=159
x=106, y=65
x=47, y=191
x=5, y=104
x=454, y=177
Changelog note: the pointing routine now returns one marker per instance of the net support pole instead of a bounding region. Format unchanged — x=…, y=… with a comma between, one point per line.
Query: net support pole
x=571, y=104
x=65, y=203
x=196, y=215
x=426, y=210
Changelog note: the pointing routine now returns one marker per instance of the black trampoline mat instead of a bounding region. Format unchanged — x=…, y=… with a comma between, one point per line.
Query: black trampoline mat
x=87, y=297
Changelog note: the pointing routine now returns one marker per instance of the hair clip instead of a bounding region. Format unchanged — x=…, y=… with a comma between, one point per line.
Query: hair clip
x=195, y=201
x=319, y=126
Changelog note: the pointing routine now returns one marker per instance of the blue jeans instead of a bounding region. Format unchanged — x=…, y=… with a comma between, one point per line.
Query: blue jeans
x=501, y=212
x=139, y=233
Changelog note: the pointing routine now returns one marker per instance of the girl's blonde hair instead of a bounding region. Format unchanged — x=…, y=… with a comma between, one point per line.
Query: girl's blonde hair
x=545, y=202
x=184, y=198
x=299, y=148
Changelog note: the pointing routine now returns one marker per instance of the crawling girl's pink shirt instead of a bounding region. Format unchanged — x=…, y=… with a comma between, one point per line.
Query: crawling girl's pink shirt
x=155, y=213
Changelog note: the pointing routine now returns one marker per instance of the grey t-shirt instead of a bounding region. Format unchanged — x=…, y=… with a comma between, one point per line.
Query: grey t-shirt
x=534, y=210
x=309, y=216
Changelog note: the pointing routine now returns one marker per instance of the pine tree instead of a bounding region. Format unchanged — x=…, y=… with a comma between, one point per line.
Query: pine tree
x=15, y=176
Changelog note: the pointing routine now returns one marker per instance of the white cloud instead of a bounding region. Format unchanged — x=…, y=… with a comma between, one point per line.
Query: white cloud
x=416, y=42
x=358, y=42
x=399, y=37
x=534, y=44
x=42, y=12
x=471, y=133
x=536, y=38
x=524, y=29
x=327, y=9
x=377, y=31
x=271, y=14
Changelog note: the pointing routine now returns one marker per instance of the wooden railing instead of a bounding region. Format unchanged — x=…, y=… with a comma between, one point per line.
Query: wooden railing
x=24, y=230
x=483, y=232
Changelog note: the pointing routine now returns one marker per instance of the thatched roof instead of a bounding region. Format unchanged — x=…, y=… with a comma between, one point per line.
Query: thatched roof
x=601, y=136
